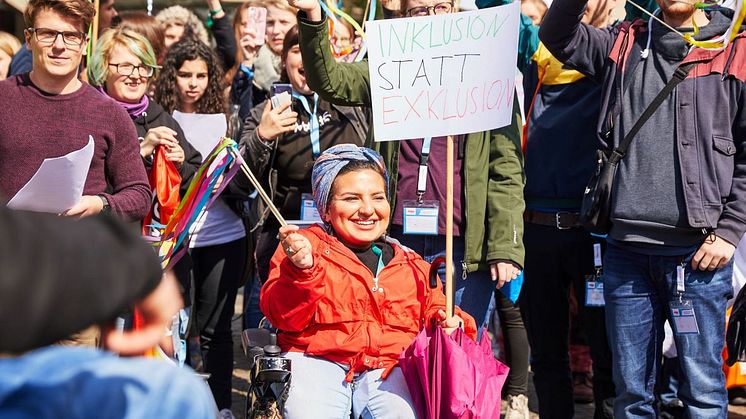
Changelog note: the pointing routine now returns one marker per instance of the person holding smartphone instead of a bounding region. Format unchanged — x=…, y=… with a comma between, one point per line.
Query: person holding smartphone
x=283, y=142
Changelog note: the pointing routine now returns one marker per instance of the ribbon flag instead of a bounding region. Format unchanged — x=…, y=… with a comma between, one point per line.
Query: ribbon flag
x=202, y=192
x=717, y=43
x=333, y=12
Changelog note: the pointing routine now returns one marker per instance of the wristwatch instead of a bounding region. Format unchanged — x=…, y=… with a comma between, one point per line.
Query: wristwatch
x=107, y=208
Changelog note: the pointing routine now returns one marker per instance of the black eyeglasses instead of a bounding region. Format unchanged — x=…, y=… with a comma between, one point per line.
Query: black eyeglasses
x=48, y=37
x=127, y=69
x=438, y=9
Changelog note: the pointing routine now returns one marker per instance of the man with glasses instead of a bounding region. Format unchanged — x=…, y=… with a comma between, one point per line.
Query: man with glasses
x=108, y=17
x=53, y=113
x=49, y=113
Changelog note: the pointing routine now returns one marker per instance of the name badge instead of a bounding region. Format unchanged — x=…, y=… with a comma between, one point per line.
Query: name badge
x=421, y=217
x=308, y=211
x=684, y=319
x=594, y=291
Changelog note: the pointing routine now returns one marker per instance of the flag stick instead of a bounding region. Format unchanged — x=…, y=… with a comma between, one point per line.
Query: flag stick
x=449, y=226
x=94, y=35
x=250, y=175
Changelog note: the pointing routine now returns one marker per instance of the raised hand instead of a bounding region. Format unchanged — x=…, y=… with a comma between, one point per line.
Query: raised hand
x=297, y=248
x=155, y=137
x=276, y=121
x=311, y=7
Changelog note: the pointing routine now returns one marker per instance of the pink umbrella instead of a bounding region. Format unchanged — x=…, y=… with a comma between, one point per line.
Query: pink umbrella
x=452, y=376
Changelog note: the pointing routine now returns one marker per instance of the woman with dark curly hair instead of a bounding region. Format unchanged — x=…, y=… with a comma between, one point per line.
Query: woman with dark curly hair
x=191, y=79
x=191, y=87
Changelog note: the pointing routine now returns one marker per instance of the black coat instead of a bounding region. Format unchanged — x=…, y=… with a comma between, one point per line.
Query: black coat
x=155, y=116
x=60, y=275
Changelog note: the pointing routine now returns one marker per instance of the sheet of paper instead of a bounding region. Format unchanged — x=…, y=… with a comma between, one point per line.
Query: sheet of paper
x=203, y=131
x=58, y=183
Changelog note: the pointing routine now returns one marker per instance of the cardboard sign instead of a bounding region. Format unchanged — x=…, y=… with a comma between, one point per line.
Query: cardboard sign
x=443, y=75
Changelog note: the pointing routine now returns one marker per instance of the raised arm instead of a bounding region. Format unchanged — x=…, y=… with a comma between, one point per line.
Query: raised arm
x=576, y=44
x=339, y=83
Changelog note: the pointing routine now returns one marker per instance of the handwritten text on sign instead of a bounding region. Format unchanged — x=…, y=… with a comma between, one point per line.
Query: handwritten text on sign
x=445, y=74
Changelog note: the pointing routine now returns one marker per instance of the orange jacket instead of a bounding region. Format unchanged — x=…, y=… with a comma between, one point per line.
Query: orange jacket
x=330, y=310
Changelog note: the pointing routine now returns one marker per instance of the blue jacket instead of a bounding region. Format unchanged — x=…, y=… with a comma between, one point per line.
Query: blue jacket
x=710, y=106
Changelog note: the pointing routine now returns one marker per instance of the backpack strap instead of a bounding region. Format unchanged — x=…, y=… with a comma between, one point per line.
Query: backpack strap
x=626, y=39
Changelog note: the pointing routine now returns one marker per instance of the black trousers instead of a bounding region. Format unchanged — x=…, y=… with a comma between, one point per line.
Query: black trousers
x=218, y=271
x=555, y=259
x=516, y=345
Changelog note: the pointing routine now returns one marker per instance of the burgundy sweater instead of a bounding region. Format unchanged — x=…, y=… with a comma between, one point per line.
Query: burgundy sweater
x=35, y=125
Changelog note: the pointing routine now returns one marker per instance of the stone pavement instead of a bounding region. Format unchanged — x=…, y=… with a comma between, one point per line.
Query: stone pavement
x=241, y=379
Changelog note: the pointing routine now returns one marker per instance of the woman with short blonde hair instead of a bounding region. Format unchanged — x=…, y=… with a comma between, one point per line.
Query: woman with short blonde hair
x=9, y=46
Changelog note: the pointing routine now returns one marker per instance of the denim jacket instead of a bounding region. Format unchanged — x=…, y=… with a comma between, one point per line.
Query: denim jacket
x=710, y=105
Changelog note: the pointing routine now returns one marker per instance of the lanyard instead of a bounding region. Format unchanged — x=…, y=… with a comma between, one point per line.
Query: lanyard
x=422, y=174
x=377, y=251
x=313, y=121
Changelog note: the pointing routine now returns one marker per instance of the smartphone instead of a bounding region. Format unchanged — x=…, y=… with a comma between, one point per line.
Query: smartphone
x=282, y=93
x=258, y=20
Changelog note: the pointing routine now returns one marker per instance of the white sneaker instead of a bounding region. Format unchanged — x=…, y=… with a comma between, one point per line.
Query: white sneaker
x=226, y=414
x=517, y=407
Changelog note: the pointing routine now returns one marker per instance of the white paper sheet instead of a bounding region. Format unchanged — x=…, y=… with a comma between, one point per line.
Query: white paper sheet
x=58, y=183
x=203, y=131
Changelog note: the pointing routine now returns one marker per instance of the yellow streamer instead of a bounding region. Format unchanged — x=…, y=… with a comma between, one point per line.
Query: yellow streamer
x=346, y=17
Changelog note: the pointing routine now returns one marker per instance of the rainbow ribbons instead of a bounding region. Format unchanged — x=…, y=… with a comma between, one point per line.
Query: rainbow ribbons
x=211, y=178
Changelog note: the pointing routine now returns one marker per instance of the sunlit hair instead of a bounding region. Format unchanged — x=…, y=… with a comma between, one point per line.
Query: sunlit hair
x=166, y=88
x=292, y=38
x=81, y=11
x=183, y=17
x=147, y=26
x=280, y=4
x=98, y=64
x=9, y=44
x=243, y=8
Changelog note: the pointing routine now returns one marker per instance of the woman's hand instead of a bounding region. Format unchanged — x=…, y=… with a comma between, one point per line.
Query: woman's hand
x=274, y=122
x=449, y=324
x=503, y=272
x=311, y=7
x=249, y=46
x=175, y=154
x=157, y=136
x=297, y=248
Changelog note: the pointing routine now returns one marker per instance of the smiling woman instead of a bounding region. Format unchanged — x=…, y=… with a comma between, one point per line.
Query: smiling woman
x=349, y=299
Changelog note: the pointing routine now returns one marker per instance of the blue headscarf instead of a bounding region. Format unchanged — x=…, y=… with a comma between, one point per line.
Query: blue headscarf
x=330, y=162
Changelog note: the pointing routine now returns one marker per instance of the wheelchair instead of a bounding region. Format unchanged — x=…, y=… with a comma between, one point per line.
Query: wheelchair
x=269, y=373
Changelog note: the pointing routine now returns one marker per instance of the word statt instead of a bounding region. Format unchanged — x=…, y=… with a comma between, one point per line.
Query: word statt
x=443, y=75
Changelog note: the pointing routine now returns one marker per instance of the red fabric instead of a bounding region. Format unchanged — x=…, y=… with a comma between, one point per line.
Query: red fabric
x=330, y=310
x=164, y=180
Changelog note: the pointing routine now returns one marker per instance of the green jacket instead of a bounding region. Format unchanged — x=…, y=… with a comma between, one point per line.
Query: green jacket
x=492, y=172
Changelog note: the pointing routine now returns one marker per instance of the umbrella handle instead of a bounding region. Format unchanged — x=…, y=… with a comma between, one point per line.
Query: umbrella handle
x=434, y=268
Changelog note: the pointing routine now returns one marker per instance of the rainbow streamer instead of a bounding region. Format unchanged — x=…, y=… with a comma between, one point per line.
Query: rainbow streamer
x=723, y=40
x=200, y=195
x=333, y=11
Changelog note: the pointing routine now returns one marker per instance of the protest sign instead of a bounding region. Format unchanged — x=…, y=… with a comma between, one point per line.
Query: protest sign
x=443, y=74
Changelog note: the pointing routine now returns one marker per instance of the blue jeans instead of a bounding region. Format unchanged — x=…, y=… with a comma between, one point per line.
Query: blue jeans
x=638, y=289
x=318, y=390
x=252, y=314
x=74, y=383
x=475, y=293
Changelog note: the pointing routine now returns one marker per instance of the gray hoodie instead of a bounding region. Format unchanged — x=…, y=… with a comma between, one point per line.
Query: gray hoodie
x=648, y=208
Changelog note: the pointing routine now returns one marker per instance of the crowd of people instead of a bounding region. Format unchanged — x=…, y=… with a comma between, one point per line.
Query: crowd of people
x=633, y=320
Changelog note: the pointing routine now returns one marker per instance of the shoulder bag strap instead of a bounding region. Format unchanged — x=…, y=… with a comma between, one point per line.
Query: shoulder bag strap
x=678, y=76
